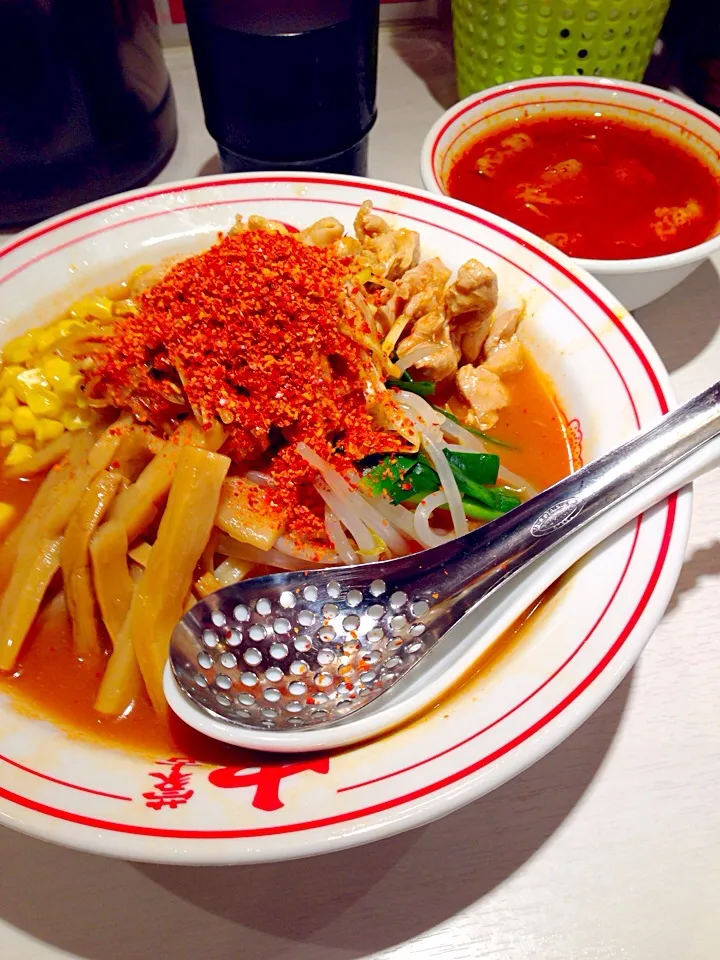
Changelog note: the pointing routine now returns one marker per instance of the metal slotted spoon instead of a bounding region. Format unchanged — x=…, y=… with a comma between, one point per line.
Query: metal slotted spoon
x=295, y=661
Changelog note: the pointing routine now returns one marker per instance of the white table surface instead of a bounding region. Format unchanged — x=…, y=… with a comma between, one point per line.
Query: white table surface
x=607, y=848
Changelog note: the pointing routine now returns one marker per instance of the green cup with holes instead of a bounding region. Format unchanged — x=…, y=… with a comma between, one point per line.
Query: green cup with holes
x=500, y=40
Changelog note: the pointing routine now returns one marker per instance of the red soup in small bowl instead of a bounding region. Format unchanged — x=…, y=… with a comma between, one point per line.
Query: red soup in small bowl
x=620, y=176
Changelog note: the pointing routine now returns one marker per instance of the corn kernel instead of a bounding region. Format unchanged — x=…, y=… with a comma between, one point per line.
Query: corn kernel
x=137, y=273
x=43, y=403
x=55, y=368
x=5, y=414
x=8, y=398
x=70, y=386
x=73, y=420
x=45, y=338
x=31, y=382
x=100, y=307
x=117, y=291
x=9, y=375
x=47, y=430
x=7, y=516
x=61, y=378
x=23, y=420
x=29, y=379
x=66, y=326
x=18, y=453
x=7, y=437
x=19, y=350
x=125, y=308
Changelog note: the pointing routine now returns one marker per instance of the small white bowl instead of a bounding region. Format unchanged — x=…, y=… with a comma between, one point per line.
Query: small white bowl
x=634, y=282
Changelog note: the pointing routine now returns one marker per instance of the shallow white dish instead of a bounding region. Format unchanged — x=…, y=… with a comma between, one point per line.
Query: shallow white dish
x=587, y=637
x=634, y=282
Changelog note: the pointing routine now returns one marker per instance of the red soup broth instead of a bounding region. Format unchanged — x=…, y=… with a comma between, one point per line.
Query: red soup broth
x=594, y=186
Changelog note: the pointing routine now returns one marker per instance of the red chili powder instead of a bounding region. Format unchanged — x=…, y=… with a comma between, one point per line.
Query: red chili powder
x=250, y=332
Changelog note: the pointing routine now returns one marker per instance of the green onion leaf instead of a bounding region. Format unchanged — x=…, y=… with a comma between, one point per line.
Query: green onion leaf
x=473, y=470
x=476, y=511
x=495, y=499
x=401, y=478
x=384, y=476
x=412, y=478
x=425, y=388
x=422, y=480
x=507, y=497
x=473, y=509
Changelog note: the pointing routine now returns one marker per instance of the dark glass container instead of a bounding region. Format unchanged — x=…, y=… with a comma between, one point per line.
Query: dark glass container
x=287, y=84
x=691, y=40
x=86, y=106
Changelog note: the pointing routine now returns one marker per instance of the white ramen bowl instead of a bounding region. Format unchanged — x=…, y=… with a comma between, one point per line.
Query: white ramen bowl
x=64, y=787
x=634, y=282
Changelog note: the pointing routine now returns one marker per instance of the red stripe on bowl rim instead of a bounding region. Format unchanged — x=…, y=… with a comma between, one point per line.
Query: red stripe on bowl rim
x=538, y=689
x=62, y=783
x=541, y=103
x=556, y=263
x=518, y=235
x=419, y=793
x=415, y=219
x=650, y=93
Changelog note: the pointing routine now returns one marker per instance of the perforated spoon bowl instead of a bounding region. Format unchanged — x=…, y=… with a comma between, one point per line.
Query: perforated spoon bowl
x=320, y=659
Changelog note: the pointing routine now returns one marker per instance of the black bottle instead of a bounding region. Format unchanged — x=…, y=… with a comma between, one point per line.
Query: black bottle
x=86, y=107
x=691, y=33
x=287, y=84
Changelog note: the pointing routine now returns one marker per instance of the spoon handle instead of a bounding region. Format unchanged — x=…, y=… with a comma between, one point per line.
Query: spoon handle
x=659, y=461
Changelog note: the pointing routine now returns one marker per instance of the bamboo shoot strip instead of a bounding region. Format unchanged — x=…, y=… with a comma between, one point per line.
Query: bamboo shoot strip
x=55, y=479
x=75, y=561
x=38, y=554
x=166, y=581
x=135, y=507
x=41, y=560
x=121, y=683
x=113, y=584
x=129, y=515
